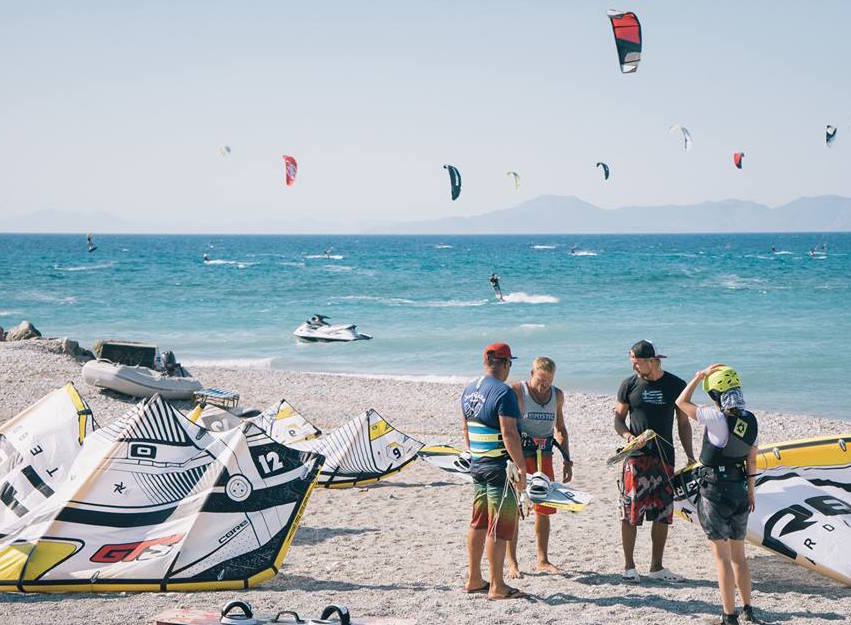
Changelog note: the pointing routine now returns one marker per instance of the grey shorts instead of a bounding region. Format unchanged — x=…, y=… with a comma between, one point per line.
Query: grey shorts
x=722, y=509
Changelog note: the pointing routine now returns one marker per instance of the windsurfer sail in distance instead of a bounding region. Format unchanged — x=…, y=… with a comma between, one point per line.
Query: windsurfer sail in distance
x=494, y=280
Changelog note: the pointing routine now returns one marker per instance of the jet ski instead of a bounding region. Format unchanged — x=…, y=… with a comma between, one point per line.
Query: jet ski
x=317, y=328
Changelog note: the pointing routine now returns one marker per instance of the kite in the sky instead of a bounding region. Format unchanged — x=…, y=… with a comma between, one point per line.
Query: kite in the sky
x=224, y=150
x=737, y=159
x=627, y=30
x=830, y=135
x=454, y=180
x=605, y=170
x=687, y=140
x=290, y=169
x=516, y=177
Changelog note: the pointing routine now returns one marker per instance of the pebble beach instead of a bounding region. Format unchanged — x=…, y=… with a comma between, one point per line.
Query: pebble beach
x=397, y=548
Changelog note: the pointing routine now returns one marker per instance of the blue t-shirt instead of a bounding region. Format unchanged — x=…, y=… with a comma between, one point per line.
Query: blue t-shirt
x=484, y=401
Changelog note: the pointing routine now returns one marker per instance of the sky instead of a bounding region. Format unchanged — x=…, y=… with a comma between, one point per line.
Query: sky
x=118, y=109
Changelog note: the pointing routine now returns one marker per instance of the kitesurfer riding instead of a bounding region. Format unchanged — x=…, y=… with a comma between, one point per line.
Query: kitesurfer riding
x=726, y=496
x=541, y=426
x=647, y=397
x=490, y=411
x=494, y=280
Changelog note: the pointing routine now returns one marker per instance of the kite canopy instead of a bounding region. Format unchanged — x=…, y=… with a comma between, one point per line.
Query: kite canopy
x=830, y=134
x=224, y=150
x=803, y=502
x=151, y=502
x=516, y=177
x=454, y=181
x=737, y=159
x=627, y=30
x=687, y=140
x=290, y=169
x=605, y=170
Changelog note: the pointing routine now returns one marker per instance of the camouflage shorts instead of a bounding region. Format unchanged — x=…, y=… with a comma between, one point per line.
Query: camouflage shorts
x=646, y=491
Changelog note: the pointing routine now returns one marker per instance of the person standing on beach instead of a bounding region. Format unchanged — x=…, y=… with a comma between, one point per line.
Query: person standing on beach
x=490, y=412
x=646, y=491
x=541, y=425
x=726, y=479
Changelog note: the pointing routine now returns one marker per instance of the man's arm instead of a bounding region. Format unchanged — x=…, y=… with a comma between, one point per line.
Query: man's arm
x=517, y=387
x=561, y=438
x=684, y=430
x=511, y=438
x=751, y=467
x=466, y=433
x=621, y=411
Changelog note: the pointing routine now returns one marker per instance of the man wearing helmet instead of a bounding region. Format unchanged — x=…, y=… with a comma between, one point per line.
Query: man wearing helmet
x=648, y=397
x=726, y=494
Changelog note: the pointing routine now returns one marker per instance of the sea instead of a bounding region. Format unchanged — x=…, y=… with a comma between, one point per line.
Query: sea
x=761, y=303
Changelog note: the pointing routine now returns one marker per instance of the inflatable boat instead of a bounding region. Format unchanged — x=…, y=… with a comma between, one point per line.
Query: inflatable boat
x=139, y=381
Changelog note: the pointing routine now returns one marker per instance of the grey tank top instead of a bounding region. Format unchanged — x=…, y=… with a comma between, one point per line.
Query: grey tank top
x=537, y=421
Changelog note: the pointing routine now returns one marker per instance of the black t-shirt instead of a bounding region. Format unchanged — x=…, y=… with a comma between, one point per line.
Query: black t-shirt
x=651, y=406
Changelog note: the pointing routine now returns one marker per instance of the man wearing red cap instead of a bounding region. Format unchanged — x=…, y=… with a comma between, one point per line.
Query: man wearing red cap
x=648, y=397
x=490, y=411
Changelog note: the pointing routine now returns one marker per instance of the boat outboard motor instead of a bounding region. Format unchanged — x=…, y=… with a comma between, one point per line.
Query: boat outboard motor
x=169, y=362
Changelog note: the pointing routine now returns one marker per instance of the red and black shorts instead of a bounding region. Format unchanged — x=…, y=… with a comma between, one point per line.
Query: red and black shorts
x=646, y=491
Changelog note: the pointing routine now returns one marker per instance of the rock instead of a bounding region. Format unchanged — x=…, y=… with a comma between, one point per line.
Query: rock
x=2, y=334
x=23, y=331
x=72, y=348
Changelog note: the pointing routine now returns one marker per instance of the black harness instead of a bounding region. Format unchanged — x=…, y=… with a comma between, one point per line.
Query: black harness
x=728, y=462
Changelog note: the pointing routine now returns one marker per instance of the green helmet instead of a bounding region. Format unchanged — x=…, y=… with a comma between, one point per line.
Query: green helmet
x=721, y=380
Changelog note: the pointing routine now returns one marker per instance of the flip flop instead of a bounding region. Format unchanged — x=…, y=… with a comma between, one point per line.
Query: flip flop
x=513, y=593
x=483, y=590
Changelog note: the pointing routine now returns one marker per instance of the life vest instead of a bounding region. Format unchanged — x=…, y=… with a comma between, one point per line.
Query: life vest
x=730, y=459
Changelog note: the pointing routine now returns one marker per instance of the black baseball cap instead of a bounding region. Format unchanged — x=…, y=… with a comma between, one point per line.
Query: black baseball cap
x=646, y=349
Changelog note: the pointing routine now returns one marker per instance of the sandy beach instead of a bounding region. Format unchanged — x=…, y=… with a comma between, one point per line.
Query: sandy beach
x=397, y=548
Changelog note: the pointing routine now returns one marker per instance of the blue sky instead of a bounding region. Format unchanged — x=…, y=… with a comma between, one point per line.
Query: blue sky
x=119, y=108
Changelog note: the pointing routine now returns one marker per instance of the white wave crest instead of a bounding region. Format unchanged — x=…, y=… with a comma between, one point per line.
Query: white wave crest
x=543, y=247
x=443, y=246
x=96, y=266
x=338, y=268
x=532, y=326
x=583, y=253
x=524, y=298
x=328, y=257
x=231, y=363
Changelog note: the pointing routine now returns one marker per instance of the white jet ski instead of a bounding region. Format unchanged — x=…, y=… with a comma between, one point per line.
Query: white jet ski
x=317, y=328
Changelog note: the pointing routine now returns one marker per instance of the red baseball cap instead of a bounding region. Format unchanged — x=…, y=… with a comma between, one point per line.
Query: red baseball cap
x=499, y=350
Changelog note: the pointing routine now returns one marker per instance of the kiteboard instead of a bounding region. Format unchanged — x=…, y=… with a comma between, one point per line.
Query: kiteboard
x=634, y=445
x=449, y=459
x=542, y=490
x=240, y=613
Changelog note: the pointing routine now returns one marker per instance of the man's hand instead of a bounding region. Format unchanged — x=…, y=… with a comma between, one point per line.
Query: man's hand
x=521, y=483
x=567, y=472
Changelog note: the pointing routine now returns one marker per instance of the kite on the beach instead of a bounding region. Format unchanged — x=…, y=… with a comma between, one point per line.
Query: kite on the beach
x=687, y=140
x=803, y=502
x=516, y=177
x=737, y=159
x=150, y=502
x=830, y=135
x=290, y=169
x=605, y=170
x=627, y=30
x=454, y=181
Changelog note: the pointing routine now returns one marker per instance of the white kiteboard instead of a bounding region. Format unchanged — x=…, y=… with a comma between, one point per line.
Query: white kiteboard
x=540, y=489
x=448, y=458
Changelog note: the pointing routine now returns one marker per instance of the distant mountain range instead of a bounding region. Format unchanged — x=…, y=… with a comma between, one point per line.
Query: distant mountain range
x=543, y=214
x=568, y=215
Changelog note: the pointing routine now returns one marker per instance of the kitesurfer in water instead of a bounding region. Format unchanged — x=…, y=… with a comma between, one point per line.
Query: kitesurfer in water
x=645, y=485
x=541, y=426
x=726, y=496
x=490, y=411
x=773, y=249
x=206, y=257
x=494, y=280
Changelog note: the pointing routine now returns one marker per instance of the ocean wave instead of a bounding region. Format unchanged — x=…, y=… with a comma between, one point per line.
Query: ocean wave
x=443, y=246
x=524, y=298
x=9, y=313
x=40, y=296
x=103, y=265
x=337, y=268
x=544, y=247
x=239, y=264
x=233, y=363
x=583, y=253
x=291, y=264
x=782, y=253
x=532, y=326
x=401, y=301
x=412, y=377
x=452, y=303
x=328, y=257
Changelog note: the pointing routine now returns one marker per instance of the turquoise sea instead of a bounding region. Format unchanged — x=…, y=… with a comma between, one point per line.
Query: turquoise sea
x=782, y=319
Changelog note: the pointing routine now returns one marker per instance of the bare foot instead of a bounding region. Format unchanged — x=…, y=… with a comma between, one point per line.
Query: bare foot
x=548, y=567
x=514, y=572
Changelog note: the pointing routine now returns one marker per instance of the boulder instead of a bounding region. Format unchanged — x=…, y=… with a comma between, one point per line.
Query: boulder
x=72, y=348
x=2, y=334
x=23, y=331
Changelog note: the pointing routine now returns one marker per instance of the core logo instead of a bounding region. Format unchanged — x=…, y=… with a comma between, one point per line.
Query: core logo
x=138, y=551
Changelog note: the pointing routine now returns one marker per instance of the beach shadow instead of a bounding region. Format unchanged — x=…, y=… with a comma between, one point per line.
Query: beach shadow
x=592, y=578
x=316, y=535
x=396, y=484
x=773, y=575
